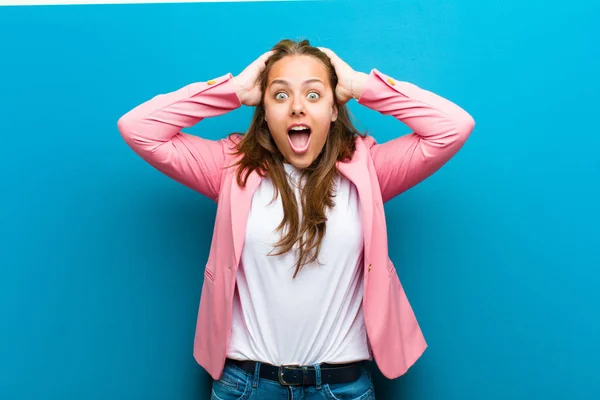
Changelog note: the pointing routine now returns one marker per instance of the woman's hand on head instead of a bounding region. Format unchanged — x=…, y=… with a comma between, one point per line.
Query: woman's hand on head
x=350, y=82
x=246, y=83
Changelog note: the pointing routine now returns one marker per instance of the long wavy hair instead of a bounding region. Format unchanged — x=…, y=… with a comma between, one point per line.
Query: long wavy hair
x=260, y=153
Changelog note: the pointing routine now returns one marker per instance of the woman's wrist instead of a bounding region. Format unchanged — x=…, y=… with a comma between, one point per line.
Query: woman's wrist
x=236, y=88
x=359, y=79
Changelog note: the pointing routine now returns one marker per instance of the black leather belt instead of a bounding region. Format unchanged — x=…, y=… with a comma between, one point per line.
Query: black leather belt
x=295, y=375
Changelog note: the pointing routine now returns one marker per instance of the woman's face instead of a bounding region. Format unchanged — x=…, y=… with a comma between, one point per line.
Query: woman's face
x=299, y=108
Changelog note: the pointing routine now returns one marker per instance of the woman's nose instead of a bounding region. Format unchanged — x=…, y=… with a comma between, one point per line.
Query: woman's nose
x=297, y=108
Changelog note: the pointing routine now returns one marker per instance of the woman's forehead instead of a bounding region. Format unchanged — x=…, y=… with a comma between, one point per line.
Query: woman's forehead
x=296, y=70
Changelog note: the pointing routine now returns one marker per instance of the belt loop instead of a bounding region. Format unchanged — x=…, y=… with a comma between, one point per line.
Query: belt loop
x=256, y=376
x=317, y=376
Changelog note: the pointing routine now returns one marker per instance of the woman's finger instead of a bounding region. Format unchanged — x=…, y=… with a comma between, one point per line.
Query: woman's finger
x=266, y=55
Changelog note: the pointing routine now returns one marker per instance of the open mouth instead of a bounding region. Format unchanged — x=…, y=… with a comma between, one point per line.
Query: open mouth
x=299, y=138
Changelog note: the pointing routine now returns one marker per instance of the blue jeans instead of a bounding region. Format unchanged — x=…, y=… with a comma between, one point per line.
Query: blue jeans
x=237, y=384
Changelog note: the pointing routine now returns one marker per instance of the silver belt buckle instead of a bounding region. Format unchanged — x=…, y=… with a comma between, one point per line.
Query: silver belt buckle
x=280, y=375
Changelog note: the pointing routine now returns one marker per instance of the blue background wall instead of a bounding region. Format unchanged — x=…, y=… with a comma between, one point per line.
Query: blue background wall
x=102, y=257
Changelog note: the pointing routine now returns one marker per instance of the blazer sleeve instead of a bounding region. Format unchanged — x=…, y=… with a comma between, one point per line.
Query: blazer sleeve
x=153, y=131
x=440, y=128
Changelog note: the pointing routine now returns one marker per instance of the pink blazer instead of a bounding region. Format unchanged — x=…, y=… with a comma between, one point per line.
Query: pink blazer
x=379, y=171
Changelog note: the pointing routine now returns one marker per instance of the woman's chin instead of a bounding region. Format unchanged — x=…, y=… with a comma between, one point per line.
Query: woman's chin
x=300, y=160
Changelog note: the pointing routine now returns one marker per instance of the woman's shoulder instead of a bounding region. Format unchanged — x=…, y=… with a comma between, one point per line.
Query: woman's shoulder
x=231, y=142
x=233, y=138
x=362, y=148
x=368, y=141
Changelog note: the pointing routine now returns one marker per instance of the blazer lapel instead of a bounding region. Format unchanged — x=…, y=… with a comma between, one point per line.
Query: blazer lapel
x=241, y=201
x=357, y=172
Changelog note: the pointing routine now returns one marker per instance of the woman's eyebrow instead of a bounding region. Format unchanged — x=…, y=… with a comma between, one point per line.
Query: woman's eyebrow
x=286, y=83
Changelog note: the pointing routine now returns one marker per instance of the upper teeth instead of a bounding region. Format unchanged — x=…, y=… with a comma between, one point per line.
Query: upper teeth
x=300, y=127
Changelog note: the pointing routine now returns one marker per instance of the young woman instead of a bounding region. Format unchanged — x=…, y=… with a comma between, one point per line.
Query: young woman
x=299, y=291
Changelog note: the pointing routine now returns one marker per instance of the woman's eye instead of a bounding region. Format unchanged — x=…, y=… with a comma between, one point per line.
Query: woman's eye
x=313, y=96
x=280, y=96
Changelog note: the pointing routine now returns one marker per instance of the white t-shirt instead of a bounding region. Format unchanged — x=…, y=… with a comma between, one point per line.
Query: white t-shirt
x=316, y=317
